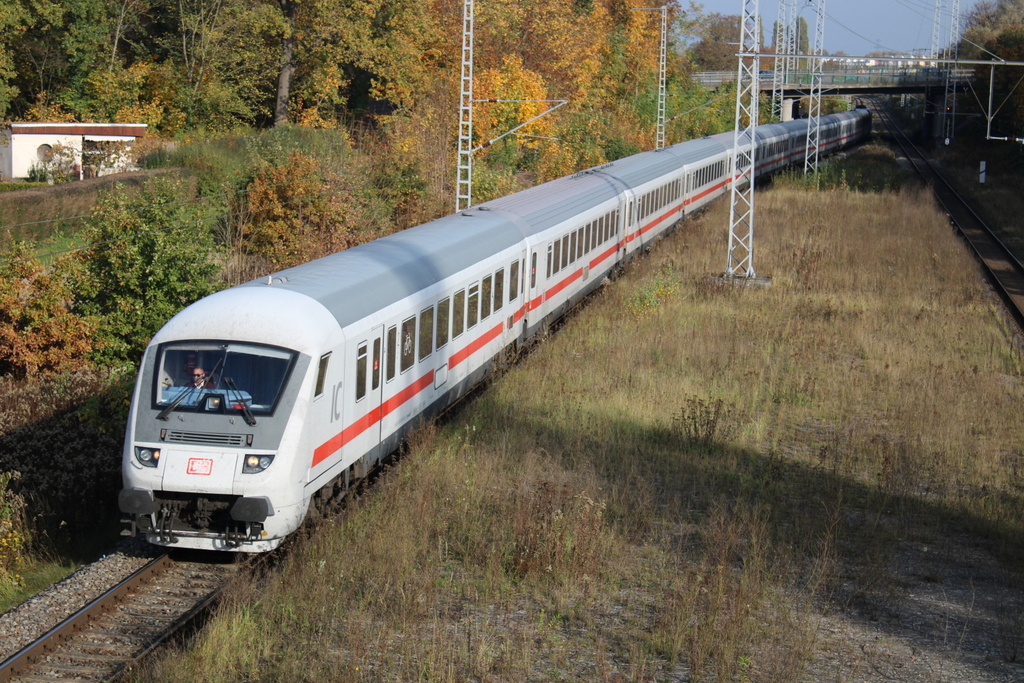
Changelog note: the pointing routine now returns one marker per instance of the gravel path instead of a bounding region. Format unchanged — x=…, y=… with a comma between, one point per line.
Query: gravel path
x=21, y=625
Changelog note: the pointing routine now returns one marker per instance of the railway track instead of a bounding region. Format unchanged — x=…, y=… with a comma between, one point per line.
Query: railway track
x=100, y=641
x=1006, y=272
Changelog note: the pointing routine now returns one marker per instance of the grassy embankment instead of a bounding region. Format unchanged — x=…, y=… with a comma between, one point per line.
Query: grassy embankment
x=999, y=199
x=680, y=479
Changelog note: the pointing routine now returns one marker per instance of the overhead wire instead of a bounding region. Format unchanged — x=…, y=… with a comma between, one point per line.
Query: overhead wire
x=167, y=228
x=196, y=200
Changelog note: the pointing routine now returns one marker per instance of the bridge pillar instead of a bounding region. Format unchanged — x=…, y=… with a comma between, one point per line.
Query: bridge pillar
x=787, y=108
x=931, y=126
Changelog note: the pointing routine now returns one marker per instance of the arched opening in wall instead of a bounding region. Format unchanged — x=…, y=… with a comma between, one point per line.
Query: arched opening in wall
x=44, y=153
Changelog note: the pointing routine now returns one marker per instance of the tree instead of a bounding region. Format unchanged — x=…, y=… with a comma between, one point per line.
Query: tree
x=289, y=9
x=12, y=17
x=719, y=43
x=152, y=255
x=986, y=21
x=42, y=330
x=296, y=213
x=803, y=41
x=1010, y=46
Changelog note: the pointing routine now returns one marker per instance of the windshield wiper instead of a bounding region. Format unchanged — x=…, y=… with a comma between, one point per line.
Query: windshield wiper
x=250, y=419
x=175, y=403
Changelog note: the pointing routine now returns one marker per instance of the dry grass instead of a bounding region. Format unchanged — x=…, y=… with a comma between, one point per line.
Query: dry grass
x=679, y=482
x=48, y=213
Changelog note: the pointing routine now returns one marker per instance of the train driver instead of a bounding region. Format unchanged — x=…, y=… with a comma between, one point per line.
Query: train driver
x=199, y=379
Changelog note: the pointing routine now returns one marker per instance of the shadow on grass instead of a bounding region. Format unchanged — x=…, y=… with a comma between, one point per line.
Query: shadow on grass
x=896, y=556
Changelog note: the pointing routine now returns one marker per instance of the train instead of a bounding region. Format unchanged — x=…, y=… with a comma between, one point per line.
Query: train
x=262, y=402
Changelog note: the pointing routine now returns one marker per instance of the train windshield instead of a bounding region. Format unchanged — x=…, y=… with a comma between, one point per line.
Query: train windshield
x=220, y=376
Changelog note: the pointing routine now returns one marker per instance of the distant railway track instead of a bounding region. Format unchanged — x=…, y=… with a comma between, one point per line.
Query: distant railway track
x=100, y=641
x=1006, y=272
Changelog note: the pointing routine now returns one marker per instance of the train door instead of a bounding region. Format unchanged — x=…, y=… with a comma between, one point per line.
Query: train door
x=534, y=289
x=363, y=422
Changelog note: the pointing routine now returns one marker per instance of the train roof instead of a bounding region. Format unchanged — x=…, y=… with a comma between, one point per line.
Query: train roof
x=552, y=203
x=395, y=266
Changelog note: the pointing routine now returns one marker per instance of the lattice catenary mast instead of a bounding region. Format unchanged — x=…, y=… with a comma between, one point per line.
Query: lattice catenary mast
x=783, y=51
x=659, y=140
x=741, y=210
x=936, y=29
x=949, y=105
x=464, y=184
x=816, y=62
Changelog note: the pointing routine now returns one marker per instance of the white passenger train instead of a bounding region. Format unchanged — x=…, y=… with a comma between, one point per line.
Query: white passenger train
x=315, y=373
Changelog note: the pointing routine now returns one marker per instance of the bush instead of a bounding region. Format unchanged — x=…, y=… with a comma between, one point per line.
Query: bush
x=42, y=331
x=14, y=187
x=152, y=255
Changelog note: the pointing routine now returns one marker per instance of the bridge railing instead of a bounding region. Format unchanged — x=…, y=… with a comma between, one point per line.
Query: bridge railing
x=848, y=77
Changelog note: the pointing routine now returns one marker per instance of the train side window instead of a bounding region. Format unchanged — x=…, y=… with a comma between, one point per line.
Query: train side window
x=565, y=251
x=442, y=322
x=572, y=247
x=391, y=353
x=407, y=353
x=579, y=242
x=321, y=374
x=533, y=270
x=513, y=281
x=556, y=256
x=486, y=294
x=499, y=289
x=361, y=371
x=375, y=373
x=458, y=313
x=474, y=305
x=426, y=332
x=586, y=237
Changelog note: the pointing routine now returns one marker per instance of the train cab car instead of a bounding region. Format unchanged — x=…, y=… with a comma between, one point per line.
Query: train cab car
x=216, y=417
x=258, y=402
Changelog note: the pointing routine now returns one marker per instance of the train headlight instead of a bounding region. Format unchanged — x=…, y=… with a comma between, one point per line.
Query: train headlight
x=147, y=457
x=256, y=463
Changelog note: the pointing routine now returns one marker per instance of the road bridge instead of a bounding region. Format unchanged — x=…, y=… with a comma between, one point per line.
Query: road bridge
x=852, y=80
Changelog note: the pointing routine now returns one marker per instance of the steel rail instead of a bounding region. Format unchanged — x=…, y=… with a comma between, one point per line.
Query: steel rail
x=109, y=667
x=1005, y=270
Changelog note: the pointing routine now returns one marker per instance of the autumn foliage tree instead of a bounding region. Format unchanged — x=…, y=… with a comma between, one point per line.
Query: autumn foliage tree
x=41, y=329
x=296, y=212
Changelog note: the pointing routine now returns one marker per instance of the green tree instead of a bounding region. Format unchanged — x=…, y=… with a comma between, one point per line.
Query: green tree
x=12, y=18
x=803, y=41
x=224, y=51
x=152, y=255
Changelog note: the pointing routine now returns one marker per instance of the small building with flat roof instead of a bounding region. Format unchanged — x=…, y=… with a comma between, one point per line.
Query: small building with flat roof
x=83, y=149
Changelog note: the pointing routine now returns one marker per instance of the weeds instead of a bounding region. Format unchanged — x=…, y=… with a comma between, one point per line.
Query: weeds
x=702, y=422
x=678, y=494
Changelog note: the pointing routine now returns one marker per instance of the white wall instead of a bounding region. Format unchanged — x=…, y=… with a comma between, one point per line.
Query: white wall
x=24, y=150
x=17, y=156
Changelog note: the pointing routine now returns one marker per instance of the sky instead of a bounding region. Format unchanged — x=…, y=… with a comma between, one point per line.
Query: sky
x=858, y=26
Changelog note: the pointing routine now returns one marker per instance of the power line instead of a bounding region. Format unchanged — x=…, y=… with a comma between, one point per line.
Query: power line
x=168, y=228
x=197, y=200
